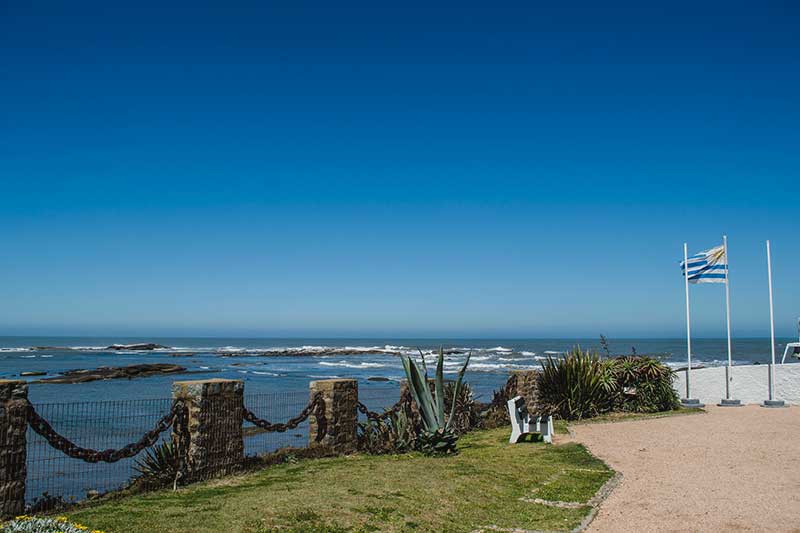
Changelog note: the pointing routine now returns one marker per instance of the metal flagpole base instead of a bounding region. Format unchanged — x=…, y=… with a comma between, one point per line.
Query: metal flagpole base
x=691, y=403
x=773, y=403
x=729, y=403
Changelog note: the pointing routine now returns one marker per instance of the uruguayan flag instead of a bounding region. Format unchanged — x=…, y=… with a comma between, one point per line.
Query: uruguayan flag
x=710, y=266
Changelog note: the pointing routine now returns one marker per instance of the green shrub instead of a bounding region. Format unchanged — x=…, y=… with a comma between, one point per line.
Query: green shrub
x=644, y=385
x=581, y=385
x=577, y=385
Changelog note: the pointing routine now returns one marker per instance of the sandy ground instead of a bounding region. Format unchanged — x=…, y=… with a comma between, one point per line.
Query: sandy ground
x=730, y=469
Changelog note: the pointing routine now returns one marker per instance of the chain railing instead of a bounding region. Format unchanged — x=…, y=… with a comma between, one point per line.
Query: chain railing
x=315, y=405
x=115, y=443
x=403, y=403
x=69, y=448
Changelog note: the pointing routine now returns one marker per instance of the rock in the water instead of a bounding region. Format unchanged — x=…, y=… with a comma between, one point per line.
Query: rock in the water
x=137, y=347
x=114, y=372
x=25, y=374
x=378, y=378
x=182, y=354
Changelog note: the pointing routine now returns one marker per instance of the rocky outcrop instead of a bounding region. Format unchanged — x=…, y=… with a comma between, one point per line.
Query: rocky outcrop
x=114, y=372
x=137, y=347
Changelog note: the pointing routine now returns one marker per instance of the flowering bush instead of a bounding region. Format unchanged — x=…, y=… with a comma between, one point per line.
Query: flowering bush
x=34, y=524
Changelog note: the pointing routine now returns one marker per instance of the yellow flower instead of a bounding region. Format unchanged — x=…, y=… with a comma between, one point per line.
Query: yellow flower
x=22, y=517
x=61, y=518
x=81, y=527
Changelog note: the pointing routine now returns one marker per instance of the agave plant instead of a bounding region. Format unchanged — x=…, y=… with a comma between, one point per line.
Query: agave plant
x=437, y=436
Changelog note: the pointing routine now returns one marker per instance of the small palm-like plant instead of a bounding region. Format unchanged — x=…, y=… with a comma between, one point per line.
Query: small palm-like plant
x=437, y=436
x=159, y=465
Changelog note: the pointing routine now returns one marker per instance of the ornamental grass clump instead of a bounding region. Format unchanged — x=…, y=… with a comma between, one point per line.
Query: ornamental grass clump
x=35, y=524
x=582, y=385
x=577, y=385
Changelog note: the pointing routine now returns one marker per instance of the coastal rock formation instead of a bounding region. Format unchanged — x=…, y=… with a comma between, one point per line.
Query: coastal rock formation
x=137, y=347
x=112, y=372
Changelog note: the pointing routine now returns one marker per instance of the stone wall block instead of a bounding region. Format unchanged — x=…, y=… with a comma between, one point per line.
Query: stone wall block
x=13, y=446
x=212, y=441
x=341, y=414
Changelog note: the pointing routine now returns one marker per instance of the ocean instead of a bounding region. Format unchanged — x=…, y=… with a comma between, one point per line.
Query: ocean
x=282, y=365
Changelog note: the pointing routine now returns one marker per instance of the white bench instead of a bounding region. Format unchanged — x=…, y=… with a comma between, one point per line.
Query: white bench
x=522, y=423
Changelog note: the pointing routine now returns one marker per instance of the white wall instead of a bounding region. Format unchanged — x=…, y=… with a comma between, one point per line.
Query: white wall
x=749, y=383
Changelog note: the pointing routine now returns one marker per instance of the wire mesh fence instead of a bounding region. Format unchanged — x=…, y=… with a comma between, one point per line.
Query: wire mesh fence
x=54, y=478
x=378, y=399
x=275, y=407
x=228, y=431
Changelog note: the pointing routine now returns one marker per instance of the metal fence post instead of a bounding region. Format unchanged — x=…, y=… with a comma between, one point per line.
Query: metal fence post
x=341, y=414
x=209, y=438
x=13, y=452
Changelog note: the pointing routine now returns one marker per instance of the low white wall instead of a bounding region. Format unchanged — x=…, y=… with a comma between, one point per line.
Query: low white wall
x=749, y=383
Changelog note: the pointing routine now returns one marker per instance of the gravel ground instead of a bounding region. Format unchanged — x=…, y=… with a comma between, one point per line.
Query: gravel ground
x=730, y=469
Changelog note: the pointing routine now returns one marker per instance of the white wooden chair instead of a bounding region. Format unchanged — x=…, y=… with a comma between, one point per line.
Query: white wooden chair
x=522, y=423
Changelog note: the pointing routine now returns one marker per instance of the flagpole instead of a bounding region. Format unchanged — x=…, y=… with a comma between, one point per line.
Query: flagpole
x=728, y=402
x=771, y=402
x=688, y=318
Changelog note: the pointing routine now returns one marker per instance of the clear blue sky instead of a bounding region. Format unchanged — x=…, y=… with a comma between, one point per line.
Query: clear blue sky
x=282, y=169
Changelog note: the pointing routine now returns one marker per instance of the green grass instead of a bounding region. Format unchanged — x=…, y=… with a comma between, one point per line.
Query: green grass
x=481, y=486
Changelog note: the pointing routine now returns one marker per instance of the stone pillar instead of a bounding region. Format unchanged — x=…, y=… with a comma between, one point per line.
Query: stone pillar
x=210, y=436
x=341, y=414
x=13, y=453
x=527, y=386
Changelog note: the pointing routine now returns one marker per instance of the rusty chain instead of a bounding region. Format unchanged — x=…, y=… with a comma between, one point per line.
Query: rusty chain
x=69, y=448
x=315, y=405
x=379, y=417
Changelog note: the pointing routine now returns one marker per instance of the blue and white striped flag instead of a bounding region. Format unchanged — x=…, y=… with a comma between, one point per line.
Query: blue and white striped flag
x=710, y=266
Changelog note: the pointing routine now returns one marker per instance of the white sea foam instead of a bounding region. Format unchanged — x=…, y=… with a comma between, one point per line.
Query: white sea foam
x=347, y=364
x=527, y=353
x=489, y=367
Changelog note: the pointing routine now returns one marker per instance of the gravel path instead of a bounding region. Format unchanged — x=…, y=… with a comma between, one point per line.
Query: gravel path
x=730, y=469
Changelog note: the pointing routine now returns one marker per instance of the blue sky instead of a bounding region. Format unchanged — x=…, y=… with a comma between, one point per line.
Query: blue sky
x=289, y=169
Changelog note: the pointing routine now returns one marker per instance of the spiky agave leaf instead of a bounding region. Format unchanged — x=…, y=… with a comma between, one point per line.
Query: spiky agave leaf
x=439, y=385
x=418, y=385
x=459, y=379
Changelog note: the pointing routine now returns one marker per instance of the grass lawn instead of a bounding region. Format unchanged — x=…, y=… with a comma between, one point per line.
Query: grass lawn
x=481, y=486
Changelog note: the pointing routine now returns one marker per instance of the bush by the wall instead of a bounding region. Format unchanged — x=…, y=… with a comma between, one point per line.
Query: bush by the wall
x=582, y=385
x=644, y=385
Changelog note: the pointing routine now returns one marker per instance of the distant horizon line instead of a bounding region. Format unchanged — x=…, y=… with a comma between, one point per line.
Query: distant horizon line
x=405, y=337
